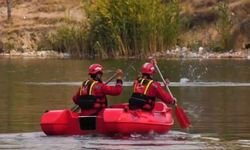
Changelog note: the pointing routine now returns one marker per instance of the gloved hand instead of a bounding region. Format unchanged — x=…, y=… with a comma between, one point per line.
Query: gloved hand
x=174, y=102
x=119, y=74
x=167, y=81
x=152, y=60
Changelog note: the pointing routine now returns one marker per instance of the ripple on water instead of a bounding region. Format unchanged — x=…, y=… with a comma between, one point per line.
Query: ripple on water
x=172, y=140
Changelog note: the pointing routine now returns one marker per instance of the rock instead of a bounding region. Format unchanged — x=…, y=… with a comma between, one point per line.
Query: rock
x=193, y=55
x=15, y=53
x=184, y=49
x=206, y=56
x=66, y=55
x=201, y=50
x=177, y=49
x=168, y=52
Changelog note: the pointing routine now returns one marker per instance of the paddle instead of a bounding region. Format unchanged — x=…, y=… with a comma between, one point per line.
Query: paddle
x=76, y=107
x=179, y=112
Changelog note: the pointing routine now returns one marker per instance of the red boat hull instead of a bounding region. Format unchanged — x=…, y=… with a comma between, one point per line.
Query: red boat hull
x=113, y=120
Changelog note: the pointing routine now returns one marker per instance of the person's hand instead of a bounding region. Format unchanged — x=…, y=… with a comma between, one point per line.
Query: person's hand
x=119, y=74
x=174, y=102
x=152, y=60
x=167, y=81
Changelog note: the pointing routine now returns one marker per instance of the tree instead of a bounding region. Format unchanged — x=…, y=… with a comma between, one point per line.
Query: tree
x=9, y=3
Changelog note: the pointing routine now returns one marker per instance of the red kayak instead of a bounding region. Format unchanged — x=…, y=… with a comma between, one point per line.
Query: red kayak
x=117, y=119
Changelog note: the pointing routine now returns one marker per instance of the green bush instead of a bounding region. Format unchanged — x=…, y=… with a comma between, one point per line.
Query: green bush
x=224, y=26
x=69, y=38
x=120, y=28
x=132, y=27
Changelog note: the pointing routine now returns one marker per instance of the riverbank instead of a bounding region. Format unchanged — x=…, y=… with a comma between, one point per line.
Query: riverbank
x=33, y=22
x=202, y=54
x=177, y=53
x=34, y=54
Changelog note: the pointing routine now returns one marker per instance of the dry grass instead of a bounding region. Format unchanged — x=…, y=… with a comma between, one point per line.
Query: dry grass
x=34, y=17
x=200, y=18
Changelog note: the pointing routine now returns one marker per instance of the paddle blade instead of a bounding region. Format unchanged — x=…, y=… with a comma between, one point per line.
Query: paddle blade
x=182, y=117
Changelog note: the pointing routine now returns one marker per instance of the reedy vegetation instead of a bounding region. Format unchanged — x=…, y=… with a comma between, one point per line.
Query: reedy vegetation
x=120, y=28
x=128, y=28
x=224, y=26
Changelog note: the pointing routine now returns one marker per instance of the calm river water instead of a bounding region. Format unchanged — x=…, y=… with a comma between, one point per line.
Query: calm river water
x=217, y=100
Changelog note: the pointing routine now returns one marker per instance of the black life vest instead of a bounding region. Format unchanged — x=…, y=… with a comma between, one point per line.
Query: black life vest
x=139, y=98
x=87, y=99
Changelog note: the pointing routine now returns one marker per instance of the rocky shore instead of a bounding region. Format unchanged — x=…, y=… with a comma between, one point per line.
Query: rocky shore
x=34, y=54
x=176, y=53
x=202, y=53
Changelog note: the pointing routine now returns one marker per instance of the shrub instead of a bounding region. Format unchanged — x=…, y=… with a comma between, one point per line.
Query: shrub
x=120, y=28
x=132, y=27
x=67, y=39
x=224, y=26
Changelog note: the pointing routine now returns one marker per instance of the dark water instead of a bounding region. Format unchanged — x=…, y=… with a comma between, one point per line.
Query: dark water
x=216, y=99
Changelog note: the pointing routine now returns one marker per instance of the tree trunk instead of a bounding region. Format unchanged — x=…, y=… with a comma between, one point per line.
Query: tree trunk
x=9, y=3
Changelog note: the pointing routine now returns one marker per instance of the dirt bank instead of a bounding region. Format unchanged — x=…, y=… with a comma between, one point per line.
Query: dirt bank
x=32, y=19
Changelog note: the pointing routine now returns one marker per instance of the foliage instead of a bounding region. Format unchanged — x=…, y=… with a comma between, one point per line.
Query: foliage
x=132, y=27
x=224, y=25
x=120, y=28
x=69, y=38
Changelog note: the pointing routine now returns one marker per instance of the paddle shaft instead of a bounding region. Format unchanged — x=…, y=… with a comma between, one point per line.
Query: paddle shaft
x=166, y=85
x=111, y=78
x=180, y=114
x=76, y=107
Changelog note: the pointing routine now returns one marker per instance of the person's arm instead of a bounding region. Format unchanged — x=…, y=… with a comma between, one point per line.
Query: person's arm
x=163, y=95
x=117, y=89
x=113, y=90
x=75, y=98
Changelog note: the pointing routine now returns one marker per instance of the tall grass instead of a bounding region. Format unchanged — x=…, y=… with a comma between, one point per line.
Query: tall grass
x=132, y=27
x=68, y=38
x=121, y=28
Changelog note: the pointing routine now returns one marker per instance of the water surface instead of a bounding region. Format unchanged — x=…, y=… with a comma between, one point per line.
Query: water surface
x=216, y=99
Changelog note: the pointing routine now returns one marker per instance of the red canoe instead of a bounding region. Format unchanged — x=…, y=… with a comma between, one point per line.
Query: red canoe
x=110, y=121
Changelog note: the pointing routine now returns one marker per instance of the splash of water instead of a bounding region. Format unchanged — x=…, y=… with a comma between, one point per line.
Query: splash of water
x=193, y=72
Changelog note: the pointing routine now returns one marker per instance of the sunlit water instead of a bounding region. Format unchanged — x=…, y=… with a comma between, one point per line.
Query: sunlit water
x=215, y=97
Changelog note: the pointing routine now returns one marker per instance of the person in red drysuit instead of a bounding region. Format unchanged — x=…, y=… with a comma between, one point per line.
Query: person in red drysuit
x=146, y=90
x=91, y=96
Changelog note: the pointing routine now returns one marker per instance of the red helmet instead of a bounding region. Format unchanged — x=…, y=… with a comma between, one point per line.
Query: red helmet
x=95, y=68
x=148, y=68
